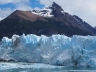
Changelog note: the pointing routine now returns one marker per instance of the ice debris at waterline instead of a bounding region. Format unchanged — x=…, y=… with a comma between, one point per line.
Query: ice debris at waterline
x=56, y=50
x=6, y=66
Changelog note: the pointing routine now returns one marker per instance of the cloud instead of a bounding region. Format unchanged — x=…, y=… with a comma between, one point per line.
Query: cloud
x=85, y=9
x=5, y=12
x=14, y=1
x=23, y=7
x=5, y=1
x=0, y=18
x=45, y=2
x=19, y=5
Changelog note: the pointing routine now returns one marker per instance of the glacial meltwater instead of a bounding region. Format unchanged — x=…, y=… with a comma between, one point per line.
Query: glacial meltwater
x=38, y=67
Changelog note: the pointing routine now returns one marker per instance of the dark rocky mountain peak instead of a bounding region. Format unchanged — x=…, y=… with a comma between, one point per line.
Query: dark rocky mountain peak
x=54, y=6
x=56, y=10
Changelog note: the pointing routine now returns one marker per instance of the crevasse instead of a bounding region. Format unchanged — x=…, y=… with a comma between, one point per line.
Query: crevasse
x=56, y=49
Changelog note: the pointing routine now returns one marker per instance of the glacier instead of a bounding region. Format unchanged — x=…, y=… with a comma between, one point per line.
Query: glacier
x=58, y=49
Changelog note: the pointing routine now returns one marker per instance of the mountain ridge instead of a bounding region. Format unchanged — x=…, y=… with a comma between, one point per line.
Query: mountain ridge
x=27, y=15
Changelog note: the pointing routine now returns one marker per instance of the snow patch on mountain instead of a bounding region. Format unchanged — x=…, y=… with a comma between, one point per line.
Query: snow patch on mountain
x=48, y=11
x=43, y=12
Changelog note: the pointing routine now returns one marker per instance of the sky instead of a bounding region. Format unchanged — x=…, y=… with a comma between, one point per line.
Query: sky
x=85, y=9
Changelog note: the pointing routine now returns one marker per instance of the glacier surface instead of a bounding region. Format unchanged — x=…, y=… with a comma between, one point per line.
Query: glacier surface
x=55, y=50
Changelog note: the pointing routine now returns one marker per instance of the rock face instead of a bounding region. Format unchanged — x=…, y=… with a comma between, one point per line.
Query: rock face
x=26, y=15
x=47, y=21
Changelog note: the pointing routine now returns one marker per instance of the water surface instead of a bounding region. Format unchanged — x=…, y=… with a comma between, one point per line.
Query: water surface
x=35, y=67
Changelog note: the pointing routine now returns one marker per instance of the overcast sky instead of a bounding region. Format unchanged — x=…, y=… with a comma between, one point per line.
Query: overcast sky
x=85, y=9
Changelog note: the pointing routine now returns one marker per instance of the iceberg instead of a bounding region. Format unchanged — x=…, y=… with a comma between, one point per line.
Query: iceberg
x=55, y=50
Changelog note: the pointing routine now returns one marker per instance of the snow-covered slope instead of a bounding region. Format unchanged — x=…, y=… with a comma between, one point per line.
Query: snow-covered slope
x=56, y=49
x=46, y=12
x=51, y=11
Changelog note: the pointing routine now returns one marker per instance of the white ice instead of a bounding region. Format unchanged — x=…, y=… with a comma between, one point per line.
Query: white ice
x=55, y=50
x=43, y=12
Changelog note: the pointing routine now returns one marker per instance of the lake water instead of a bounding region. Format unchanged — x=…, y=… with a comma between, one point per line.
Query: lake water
x=35, y=67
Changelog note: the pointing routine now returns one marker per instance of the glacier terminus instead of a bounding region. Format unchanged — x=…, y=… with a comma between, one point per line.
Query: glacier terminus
x=58, y=49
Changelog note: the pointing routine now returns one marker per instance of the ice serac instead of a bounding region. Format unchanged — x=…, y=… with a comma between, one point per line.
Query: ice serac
x=56, y=50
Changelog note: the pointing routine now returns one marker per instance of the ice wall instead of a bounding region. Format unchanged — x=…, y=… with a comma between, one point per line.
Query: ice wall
x=56, y=49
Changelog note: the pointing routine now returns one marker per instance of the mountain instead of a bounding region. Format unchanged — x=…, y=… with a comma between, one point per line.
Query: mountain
x=47, y=21
x=95, y=27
